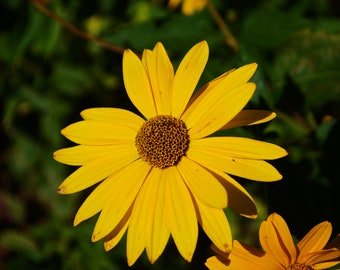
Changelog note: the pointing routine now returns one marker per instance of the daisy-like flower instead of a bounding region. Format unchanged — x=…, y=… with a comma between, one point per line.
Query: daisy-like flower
x=161, y=174
x=311, y=253
x=189, y=7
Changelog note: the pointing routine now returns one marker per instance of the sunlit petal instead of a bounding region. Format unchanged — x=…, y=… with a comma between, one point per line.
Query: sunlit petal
x=95, y=171
x=323, y=259
x=159, y=228
x=121, y=199
x=98, y=133
x=161, y=75
x=315, y=239
x=231, y=79
x=81, y=154
x=181, y=213
x=258, y=170
x=149, y=211
x=187, y=75
x=202, y=184
x=221, y=91
x=115, y=116
x=239, y=147
x=284, y=236
x=137, y=84
x=97, y=200
x=113, y=238
x=215, y=224
x=142, y=213
x=243, y=256
x=215, y=108
x=271, y=242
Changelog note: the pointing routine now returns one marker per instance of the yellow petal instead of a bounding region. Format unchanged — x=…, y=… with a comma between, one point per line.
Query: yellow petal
x=95, y=171
x=247, y=168
x=222, y=86
x=141, y=217
x=187, y=76
x=115, y=116
x=241, y=257
x=181, y=214
x=248, y=118
x=113, y=238
x=323, y=259
x=284, y=236
x=315, y=239
x=161, y=75
x=238, y=198
x=271, y=242
x=215, y=108
x=148, y=226
x=217, y=263
x=190, y=6
x=98, y=199
x=137, y=84
x=215, y=224
x=98, y=133
x=202, y=184
x=100, y=196
x=239, y=147
x=159, y=230
x=81, y=154
x=127, y=184
x=326, y=265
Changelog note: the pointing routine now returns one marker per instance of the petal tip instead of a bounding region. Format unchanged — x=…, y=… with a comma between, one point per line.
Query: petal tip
x=203, y=44
x=76, y=221
x=55, y=154
x=62, y=190
x=64, y=132
x=227, y=248
x=95, y=237
x=188, y=257
x=107, y=246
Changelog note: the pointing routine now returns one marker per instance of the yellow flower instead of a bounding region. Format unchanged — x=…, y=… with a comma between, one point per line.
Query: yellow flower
x=189, y=6
x=162, y=174
x=281, y=253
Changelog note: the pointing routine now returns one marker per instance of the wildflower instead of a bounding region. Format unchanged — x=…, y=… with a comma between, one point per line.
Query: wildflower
x=281, y=253
x=189, y=6
x=159, y=174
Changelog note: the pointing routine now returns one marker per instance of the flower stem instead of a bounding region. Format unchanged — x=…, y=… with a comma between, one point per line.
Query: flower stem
x=41, y=7
x=229, y=38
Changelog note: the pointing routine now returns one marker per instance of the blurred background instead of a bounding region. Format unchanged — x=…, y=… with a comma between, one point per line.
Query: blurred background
x=48, y=75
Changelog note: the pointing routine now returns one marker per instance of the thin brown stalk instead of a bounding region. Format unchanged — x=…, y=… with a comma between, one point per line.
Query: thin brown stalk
x=229, y=38
x=42, y=7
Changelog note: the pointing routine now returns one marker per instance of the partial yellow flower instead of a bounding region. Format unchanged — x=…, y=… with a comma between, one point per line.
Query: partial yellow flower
x=311, y=253
x=189, y=7
x=161, y=174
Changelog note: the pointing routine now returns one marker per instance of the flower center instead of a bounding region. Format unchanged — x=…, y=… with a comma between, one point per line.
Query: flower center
x=299, y=266
x=162, y=141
